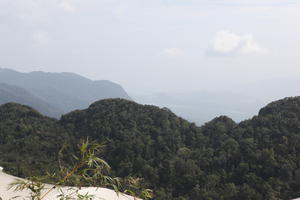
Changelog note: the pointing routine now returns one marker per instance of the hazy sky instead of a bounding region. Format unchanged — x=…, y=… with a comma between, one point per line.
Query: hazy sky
x=154, y=45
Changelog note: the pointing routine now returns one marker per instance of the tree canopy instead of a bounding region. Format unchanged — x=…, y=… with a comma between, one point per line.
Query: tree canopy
x=256, y=159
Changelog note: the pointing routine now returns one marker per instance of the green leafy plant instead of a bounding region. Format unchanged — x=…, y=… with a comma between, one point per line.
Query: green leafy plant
x=88, y=168
x=134, y=187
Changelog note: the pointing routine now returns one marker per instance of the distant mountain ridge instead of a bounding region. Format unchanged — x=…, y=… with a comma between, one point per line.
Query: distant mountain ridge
x=64, y=91
x=11, y=93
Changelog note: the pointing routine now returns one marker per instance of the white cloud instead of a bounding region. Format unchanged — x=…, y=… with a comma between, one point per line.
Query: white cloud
x=172, y=52
x=68, y=5
x=41, y=38
x=227, y=43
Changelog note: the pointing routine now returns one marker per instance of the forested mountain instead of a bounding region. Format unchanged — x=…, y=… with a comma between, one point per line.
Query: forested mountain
x=10, y=93
x=65, y=91
x=257, y=159
x=29, y=142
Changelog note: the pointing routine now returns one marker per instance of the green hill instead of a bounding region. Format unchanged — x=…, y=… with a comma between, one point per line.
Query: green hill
x=257, y=159
x=29, y=141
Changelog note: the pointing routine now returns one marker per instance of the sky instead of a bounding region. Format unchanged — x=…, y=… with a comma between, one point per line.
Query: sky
x=154, y=45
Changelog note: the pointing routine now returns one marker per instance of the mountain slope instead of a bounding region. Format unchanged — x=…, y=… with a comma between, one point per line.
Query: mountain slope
x=257, y=159
x=29, y=141
x=66, y=91
x=10, y=93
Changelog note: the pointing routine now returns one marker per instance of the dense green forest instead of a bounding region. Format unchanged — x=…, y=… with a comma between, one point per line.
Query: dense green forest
x=257, y=159
x=29, y=142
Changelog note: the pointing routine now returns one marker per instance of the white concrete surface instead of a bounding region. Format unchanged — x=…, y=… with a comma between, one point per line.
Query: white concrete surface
x=99, y=193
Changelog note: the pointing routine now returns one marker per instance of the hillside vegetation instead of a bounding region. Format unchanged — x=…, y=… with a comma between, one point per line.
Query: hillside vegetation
x=257, y=159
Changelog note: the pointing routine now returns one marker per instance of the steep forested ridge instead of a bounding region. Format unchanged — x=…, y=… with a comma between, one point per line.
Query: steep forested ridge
x=255, y=159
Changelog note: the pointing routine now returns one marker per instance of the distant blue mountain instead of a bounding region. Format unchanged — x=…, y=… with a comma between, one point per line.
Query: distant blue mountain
x=10, y=93
x=62, y=92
